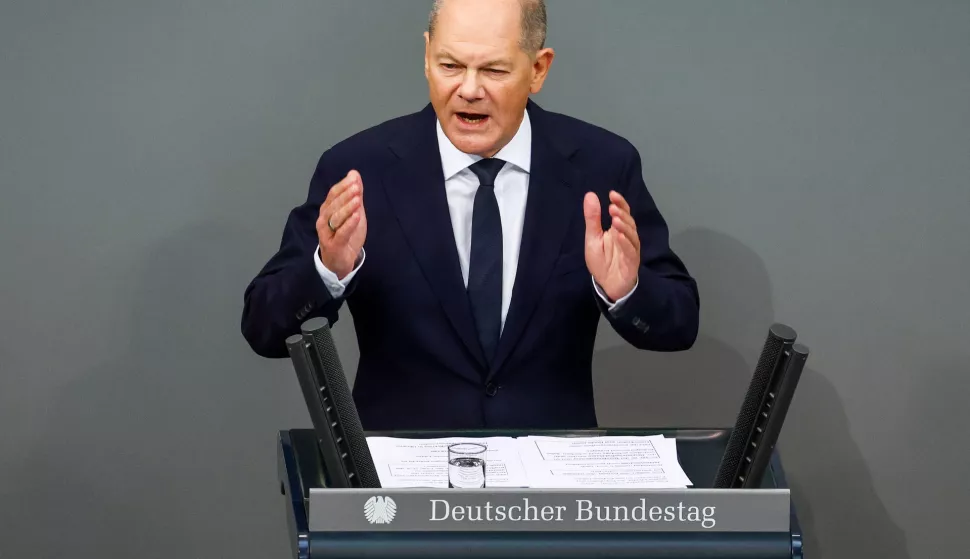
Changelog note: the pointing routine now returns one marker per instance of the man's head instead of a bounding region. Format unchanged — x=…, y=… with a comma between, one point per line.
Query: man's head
x=483, y=59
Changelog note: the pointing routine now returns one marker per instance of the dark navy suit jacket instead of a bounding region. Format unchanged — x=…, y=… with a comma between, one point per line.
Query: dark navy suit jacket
x=421, y=364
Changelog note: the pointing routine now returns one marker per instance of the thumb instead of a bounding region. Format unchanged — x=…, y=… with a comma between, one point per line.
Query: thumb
x=591, y=210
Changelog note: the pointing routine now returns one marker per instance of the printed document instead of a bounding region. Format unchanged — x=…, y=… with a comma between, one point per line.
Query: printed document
x=648, y=462
x=424, y=462
x=602, y=462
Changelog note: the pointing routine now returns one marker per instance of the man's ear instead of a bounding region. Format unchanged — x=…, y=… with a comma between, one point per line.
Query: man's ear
x=540, y=68
x=427, y=54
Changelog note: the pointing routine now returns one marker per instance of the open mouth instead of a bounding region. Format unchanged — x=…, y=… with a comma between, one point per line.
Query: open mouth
x=472, y=118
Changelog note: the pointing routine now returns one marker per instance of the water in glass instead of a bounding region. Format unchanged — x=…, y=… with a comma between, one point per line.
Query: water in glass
x=466, y=465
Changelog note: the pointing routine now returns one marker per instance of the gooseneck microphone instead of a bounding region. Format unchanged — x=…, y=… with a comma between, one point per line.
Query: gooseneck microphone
x=340, y=436
x=763, y=410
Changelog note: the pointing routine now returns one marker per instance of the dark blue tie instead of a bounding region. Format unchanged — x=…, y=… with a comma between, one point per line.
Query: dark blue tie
x=485, y=259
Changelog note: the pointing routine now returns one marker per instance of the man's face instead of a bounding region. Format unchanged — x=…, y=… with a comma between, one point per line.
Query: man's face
x=479, y=78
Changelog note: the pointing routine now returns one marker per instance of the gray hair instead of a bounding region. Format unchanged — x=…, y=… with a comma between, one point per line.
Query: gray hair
x=533, y=23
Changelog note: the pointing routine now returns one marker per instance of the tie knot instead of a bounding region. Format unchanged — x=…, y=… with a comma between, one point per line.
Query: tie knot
x=487, y=170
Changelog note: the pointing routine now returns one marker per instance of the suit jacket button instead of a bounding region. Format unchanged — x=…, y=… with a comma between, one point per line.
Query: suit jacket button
x=490, y=389
x=302, y=313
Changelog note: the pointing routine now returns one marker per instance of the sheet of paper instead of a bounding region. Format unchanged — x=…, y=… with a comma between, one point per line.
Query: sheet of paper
x=424, y=462
x=602, y=462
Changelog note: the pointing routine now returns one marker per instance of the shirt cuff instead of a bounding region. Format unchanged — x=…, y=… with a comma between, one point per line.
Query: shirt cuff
x=614, y=306
x=334, y=285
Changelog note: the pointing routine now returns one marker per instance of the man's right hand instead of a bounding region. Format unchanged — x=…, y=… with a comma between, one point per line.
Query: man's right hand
x=342, y=225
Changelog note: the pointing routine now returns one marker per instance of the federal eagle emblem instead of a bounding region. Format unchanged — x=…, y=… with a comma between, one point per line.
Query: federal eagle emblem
x=380, y=510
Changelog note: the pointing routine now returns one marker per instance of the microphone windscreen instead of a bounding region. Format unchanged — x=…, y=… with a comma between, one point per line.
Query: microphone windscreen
x=779, y=335
x=336, y=382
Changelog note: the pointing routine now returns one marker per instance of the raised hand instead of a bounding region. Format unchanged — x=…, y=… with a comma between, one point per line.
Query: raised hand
x=342, y=225
x=612, y=256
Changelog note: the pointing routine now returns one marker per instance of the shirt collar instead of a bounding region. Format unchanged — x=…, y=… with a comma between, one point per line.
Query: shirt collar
x=518, y=151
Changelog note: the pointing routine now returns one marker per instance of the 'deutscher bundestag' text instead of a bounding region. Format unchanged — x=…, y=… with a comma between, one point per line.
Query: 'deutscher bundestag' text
x=583, y=510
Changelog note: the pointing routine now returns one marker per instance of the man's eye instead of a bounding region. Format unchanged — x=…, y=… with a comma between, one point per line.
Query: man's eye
x=449, y=66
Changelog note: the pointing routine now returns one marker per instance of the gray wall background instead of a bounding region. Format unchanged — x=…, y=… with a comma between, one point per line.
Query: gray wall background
x=813, y=160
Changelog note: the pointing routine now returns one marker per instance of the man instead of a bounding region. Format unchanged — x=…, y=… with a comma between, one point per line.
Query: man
x=476, y=243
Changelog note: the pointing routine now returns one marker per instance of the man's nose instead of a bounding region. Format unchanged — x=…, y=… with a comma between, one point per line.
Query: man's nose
x=471, y=87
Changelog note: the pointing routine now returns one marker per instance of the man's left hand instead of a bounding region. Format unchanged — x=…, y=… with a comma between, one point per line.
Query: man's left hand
x=612, y=256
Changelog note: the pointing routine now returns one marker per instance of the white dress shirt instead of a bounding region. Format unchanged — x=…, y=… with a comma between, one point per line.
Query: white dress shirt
x=511, y=190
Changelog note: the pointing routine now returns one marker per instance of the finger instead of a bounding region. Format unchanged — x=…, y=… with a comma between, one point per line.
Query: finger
x=338, y=217
x=626, y=234
x=625, y=247
x=352, y=177
x=335, y=211
x=591, y=211
x=347, y=229
x=618, y=213
x=348, y=196
x=619, y=200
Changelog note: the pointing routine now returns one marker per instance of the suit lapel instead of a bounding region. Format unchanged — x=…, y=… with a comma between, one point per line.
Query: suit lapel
x=415, y=188
x=551, y=204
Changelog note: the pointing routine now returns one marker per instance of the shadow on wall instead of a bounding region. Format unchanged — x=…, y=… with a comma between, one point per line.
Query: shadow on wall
x=841, y=514
x=168, y=449
x=832, y=489
x=702, y=387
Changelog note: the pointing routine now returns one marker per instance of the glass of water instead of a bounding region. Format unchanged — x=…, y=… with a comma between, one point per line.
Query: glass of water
x=466, y=465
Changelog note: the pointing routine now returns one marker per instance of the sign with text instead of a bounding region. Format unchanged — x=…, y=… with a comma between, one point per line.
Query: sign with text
x=548, y=510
